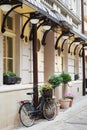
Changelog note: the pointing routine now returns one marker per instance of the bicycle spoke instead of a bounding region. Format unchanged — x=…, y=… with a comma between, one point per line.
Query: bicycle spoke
x=49, y=110
x=26, y=112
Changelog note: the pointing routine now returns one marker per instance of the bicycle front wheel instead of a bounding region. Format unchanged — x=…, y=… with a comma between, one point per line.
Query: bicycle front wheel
x=26, y=114
x=49, y=110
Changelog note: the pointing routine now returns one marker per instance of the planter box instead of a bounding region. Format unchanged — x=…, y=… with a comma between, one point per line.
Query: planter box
x=11, y=80
x=18, y=80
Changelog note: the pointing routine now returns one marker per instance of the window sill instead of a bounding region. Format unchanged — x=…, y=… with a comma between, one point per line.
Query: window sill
x=15, y=87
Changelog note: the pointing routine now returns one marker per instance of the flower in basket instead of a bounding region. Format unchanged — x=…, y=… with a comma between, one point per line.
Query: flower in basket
x=69, y=96
x=46, y=90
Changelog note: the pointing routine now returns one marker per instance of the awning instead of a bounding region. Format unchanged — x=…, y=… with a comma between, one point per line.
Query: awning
x=56, y=17
x=76, y=31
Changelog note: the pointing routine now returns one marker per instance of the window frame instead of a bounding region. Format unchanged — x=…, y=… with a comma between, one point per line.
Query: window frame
x=10, y=33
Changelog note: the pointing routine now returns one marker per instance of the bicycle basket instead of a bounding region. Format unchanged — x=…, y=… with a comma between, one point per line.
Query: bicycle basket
x=47, y=93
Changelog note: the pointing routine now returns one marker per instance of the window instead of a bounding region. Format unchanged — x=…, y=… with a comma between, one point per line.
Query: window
x=50, y=2
x=8, y=54
x=9, y=23
x=8, y=45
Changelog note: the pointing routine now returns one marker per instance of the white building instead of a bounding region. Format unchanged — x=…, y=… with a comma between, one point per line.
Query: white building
x=16, y=55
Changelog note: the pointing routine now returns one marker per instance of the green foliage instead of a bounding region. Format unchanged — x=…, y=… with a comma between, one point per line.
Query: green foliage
x=9, y=73
x=45, y=87
x=65, y=77
x=55, y=80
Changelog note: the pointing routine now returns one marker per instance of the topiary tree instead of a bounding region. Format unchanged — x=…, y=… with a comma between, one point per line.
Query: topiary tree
x=55, y=80
x=65, y=77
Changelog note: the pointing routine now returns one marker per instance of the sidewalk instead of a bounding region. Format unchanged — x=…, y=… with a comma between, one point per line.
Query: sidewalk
x=74, y=118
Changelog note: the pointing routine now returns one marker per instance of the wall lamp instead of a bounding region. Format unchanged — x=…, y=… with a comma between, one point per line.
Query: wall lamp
x=63, y=44
x=46, y=32
x=46, y=24
x=80, y=51
x=77, y=47
x=34, y=19
x=9, y=5
x=6, y=5
x=65, y=33
x=83, y=45
x=77, y=39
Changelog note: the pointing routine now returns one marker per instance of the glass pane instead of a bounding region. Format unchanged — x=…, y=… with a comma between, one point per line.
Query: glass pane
x=10, y=47
x=9, y=22
x=4, y=65
x=4, y=46
x=10, y=65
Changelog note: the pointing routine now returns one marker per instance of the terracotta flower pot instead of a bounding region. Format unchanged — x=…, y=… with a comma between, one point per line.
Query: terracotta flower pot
x=71, y=102
x=64, y=103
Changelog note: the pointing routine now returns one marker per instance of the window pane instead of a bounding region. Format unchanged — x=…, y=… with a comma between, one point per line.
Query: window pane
x=10, y=65
x=9, y=22
x=10, y=47
x=8, y=54
x=4, y=65
x=4, y=46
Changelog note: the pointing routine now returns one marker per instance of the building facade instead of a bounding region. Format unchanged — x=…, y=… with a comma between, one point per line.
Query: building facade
x=16, y=55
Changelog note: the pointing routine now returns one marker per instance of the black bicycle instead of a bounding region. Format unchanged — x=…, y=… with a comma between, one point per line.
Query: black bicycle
x=28, y=113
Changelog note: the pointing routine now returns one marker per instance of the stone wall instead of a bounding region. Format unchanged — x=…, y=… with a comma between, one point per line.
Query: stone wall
x=9, y=105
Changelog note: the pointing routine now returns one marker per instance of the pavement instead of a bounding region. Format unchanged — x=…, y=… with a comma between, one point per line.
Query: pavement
x=73, y=118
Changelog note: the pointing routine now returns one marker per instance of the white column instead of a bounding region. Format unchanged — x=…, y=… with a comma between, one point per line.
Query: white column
x=1, y=59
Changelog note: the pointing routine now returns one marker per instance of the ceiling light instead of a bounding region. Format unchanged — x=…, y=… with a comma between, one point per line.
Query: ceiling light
x=5, y=7
x=46, y=27
x=76, y=43
x=34, y=21
x=65, y=37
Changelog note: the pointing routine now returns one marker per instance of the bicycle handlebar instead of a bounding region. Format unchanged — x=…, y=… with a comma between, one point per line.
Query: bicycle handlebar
x=30, y=93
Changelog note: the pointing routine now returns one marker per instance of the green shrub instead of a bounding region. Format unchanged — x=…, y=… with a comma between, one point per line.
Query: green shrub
x=45, y=87
x=9, y=73
x=55, y=80
x=65, y=77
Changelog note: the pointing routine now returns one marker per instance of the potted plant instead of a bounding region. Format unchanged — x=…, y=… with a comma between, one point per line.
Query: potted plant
x=65, y=79
x=64, y=103
x=55, y=81
x=76, y=77
x=10, y=78
x=69, y=96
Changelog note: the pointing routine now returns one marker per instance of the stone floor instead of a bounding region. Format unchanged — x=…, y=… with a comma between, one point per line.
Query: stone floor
x=74, y=118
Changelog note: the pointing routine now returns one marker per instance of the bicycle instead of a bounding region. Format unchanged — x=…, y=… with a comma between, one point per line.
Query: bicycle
x=28, y=113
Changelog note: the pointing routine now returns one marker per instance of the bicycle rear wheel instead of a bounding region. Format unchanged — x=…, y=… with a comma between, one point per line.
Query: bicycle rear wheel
x=26, y=114
x=49, y=110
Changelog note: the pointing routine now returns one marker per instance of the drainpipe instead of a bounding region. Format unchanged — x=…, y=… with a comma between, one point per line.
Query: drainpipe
x=83, y=51
x=35, y=66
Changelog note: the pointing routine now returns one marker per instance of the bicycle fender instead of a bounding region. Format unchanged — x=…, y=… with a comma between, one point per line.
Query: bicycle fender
x=27, y=102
